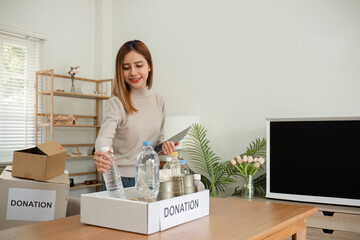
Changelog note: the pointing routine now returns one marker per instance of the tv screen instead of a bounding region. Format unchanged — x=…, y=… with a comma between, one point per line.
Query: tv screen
x=314, y=160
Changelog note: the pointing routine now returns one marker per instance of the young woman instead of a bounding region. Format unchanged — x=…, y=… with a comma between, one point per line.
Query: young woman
x=134, y=114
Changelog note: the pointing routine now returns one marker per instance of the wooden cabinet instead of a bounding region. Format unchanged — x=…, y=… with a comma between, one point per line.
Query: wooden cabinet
x=49, y=117
x=331, y=222
x=334, y=222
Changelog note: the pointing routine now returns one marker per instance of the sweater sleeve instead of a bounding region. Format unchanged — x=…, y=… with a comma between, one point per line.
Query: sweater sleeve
x=113, y=115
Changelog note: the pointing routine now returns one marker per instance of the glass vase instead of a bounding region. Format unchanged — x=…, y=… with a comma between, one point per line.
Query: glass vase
x=247, y=190
x=72, y=84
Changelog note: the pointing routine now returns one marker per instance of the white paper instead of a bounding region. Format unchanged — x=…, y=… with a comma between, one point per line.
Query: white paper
x=179, y=210
x=30, y=204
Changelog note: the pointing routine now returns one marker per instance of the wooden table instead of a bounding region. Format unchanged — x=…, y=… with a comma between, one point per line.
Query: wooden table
x=229, y=219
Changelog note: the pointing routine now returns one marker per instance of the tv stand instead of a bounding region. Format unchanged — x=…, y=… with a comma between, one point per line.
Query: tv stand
x=333, y=222
x=330, y=222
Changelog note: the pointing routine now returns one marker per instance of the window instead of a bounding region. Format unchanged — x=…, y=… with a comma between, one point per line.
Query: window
x=20, y=58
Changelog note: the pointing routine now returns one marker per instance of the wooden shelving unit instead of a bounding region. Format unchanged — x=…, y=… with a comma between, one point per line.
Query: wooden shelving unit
x=45, y=89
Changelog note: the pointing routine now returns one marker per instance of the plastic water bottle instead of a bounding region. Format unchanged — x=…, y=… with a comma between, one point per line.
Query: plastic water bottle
x=165, y=173
x=184, y=168
x=147, y=173
x=112, y=177
x=173, y=165
x=199, y=186
x=167, y=164
x=176, y=177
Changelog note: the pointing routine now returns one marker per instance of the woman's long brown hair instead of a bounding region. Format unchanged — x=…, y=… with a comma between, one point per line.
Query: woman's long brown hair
x=120, y=88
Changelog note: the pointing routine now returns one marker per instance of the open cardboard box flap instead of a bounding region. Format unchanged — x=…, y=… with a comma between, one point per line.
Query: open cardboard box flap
x=48, y=148
x=45, y=161
x=51, y=148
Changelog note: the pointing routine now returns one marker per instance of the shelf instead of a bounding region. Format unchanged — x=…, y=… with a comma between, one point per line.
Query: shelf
x=80, y=156
x=64, y=125
x=77, y=116
x=81, y=174
x=78, y=145
x=50, y=72
x=67, y=125
x=75, y=95
x=82, y=185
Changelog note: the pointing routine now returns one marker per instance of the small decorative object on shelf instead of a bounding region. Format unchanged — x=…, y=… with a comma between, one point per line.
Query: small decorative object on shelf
x=88, y=182
x=248, y=167
x=72, y=70
x=88, y=88
x=78, y=153
x=71, y=182
x=64, y=119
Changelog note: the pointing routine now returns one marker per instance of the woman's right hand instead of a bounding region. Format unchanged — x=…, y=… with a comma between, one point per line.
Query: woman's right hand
x=101, y=160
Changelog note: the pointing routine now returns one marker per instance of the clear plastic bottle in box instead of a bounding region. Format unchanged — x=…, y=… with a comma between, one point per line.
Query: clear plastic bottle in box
x=199, y=186
x=147, y=173
x=184, y=169
x=173, y=165
x=112, y=177
x=165, y=172
x=176, y=177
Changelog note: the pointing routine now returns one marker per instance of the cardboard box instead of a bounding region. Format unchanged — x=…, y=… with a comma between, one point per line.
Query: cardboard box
x=142, y=217
x=42, y=162
x=24, y=201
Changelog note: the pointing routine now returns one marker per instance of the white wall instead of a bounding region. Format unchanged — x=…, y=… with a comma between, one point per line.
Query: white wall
x=69, y=28
x=68, y=25
x=233, y=62
x=236, y=63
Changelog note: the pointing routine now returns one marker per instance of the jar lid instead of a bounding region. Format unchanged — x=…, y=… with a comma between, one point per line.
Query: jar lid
x=197, y=176
x=174, y=154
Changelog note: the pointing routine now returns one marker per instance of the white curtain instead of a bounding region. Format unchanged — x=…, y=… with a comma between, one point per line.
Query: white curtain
x=20, y=58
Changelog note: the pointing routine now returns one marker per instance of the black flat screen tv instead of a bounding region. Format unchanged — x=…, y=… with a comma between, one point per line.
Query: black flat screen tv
x=314, y=160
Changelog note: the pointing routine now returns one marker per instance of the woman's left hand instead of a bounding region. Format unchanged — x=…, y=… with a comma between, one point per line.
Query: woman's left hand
x=169, y=147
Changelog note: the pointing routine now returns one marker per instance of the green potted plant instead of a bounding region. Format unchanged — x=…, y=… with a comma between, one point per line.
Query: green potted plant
x=216, y=174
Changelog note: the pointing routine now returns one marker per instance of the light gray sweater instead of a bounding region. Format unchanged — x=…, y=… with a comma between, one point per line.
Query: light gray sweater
x=126, y=132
